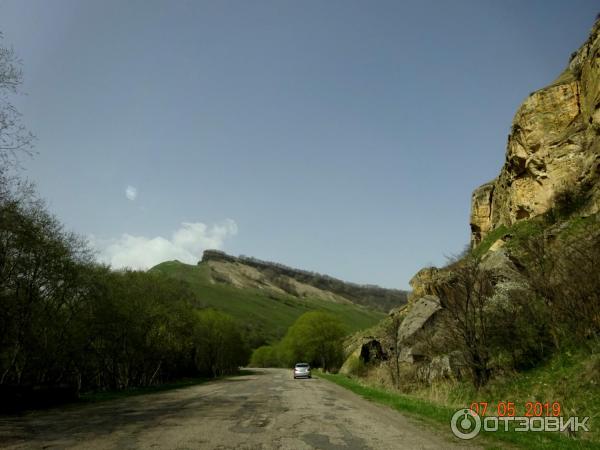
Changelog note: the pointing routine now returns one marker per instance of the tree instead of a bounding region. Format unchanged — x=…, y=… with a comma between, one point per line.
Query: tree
x=466, y=297
x=391, y=335
x=14, y=137
x=40, y=292
x=140, y=329
x=220, y=349
x=315, y=337
x=265, y=356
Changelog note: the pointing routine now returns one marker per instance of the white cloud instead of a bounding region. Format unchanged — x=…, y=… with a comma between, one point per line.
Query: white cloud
x=186, y=244
x=131, y=192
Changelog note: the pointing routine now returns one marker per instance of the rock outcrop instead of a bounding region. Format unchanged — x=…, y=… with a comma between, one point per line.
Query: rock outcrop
x=553, y=146
x=421, y=283
x=420, y=315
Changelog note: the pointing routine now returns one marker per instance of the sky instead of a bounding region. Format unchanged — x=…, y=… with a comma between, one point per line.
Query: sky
x=343, y=137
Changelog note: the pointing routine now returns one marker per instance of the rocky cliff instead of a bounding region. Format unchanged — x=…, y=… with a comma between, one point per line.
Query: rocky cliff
x=553, y=147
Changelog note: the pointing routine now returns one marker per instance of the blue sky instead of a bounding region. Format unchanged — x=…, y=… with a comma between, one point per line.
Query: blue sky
x=343, y=137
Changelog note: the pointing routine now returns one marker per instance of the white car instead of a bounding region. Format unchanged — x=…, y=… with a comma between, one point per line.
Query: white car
x=302, y=370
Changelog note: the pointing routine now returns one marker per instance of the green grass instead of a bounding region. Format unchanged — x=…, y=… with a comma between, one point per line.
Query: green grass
x=488, y=240
x=571, y=378
x=439, y=416
x=577, y=225
x=518, y=232
x=522, y=231
x=272, y=314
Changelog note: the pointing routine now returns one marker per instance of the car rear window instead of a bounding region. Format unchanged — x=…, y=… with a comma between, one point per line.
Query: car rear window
x=301, y=365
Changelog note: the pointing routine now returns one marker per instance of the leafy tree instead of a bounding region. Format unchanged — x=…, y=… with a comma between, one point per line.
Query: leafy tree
x=140, y=329
x=41, y=292
x=220, y=349
x=315, y=337
x=265, y=356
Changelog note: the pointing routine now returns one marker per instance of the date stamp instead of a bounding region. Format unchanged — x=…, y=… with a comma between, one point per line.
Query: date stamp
x=509, y=409
x=506, y=416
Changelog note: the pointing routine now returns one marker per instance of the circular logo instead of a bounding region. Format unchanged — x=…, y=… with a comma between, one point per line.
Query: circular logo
x=465, y=424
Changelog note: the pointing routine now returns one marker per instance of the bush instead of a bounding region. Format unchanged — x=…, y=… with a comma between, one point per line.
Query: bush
x=564, y=274
x=519, y=328
x=567, y=201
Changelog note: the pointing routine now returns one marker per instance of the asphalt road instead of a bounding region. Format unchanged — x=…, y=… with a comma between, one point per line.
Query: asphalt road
x=265, y=410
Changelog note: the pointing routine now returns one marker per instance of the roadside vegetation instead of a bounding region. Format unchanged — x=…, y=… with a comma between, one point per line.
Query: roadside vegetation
x=438, y=414
x=315, y=338
x=69, y=325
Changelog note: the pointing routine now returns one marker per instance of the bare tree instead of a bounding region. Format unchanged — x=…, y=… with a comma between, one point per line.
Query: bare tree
x=15, y=139
x=465, y=297
x=391, y=335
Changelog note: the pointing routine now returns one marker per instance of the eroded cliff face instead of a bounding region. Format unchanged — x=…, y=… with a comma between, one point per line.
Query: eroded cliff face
x=554, y=145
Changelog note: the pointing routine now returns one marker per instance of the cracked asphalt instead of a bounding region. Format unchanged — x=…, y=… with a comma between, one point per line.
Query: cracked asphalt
x=265, y=410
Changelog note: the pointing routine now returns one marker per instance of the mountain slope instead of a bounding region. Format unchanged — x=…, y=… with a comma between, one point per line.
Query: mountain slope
x=265, y=311
x=244, y=271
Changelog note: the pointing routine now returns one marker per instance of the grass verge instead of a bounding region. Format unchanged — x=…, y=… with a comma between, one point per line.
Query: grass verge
x=440, y=416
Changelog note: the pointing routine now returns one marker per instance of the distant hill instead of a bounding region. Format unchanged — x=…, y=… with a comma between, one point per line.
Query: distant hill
x=245, y=271
x=267, y=297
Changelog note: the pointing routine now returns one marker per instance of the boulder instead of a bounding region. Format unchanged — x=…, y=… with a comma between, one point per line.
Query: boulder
x=420, y=314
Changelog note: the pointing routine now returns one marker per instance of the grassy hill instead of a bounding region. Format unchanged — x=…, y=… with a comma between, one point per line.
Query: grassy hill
x=247, y=271
x=265, y=313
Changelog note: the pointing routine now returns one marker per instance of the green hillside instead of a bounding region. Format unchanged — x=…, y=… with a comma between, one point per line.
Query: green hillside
x=265, y=314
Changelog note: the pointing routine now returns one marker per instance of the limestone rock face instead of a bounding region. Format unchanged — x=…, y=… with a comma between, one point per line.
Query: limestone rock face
x=554, y=144
x=481, y=211
x=420, y=283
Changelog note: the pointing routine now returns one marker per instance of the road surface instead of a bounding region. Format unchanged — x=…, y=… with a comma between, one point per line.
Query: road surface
x=265, y=410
